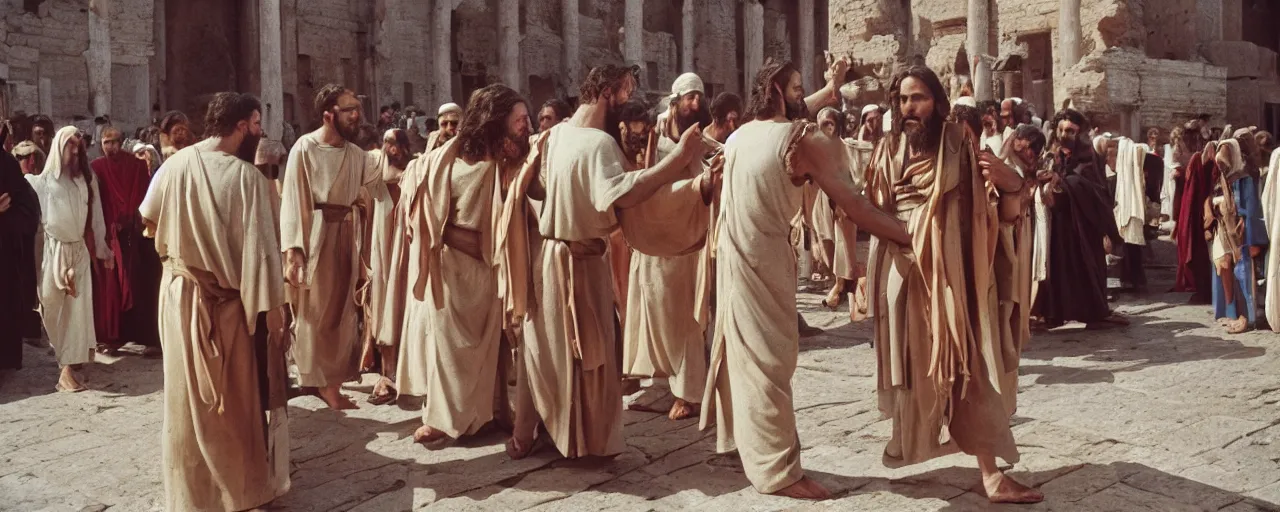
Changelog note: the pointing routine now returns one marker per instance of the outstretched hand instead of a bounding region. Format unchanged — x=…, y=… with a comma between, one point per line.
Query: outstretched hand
x=998, y=173
x=691, y=143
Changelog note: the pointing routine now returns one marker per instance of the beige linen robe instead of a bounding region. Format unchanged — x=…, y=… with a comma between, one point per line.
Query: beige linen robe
x=945, y=363
x=213, y=216
x=450, y=347
x=845, y=264
x=756, y=342
x=377, y=246
x=318, y=217
x=567, y=374
x=662, y=337
x=66, y=211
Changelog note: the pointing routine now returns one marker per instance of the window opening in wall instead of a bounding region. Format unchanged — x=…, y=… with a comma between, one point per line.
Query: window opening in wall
x=32, y=6
x=408, y=94
x=651, y=74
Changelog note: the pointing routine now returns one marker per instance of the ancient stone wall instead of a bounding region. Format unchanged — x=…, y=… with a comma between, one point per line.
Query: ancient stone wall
x=47, y=47
x=403, y=60
x=717, y=55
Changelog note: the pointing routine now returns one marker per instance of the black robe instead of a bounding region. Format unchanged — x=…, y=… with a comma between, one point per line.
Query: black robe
x=1076, y=289
x=18, y=226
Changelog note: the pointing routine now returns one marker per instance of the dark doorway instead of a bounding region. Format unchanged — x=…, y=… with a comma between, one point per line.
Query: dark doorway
x=203, y=53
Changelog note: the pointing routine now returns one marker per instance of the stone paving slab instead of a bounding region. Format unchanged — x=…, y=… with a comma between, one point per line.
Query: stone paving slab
x=1168, y=414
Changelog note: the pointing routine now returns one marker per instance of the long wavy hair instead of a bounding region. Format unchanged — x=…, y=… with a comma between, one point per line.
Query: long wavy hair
x=765, y=95
x=483, y=130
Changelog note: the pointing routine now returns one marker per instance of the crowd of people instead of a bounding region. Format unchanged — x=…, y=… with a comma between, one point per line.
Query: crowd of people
x=532, y=280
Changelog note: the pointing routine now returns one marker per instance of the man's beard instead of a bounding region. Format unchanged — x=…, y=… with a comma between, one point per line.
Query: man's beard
x=684, y=122
x=922, y=135
x=796, y=110
x=1068, y=143
x=248, y=148
x=400, y=160
x=349, y=132
x=636, y=142
x=516, y=147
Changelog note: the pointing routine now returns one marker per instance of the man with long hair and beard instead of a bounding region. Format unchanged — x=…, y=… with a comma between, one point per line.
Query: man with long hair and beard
x=755, y=344
x=225, y=444
x=70, y=202
x=568, y=376
x=452, y=326
x=318, y=234
x=947, y=344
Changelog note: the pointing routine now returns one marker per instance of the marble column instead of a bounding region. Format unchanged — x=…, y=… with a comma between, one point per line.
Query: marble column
x=633, y=33
x=753, y=42
x=1069, y=34
x=978, y=49
x=98, y=56
x=572, y=50
x=509, y=44
x=442, y=53
x=271, y=68
x=804, y=10
x=688, y=23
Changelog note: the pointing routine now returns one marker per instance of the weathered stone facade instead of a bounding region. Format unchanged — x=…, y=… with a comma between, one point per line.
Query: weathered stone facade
x=1144, y=62
x=174, y=54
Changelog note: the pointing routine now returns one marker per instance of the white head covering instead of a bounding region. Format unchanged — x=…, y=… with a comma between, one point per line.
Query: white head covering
x=53, y=165
x=26, y=148
x=1235, y=160
x=966, y=101
x=449, y=108
x=872, y=107
x=685, y=84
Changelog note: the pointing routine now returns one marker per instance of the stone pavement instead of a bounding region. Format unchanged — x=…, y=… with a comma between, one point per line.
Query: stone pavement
x=1165, y=415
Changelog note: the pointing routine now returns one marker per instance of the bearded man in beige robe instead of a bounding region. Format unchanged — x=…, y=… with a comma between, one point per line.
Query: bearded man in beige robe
x=662, y=336
x=449, y=117
x=568, y=379
x=320, y=230
x=450, y=350
x=949, y=327
x=756, y=342
x=376, y=255
x=213, y=218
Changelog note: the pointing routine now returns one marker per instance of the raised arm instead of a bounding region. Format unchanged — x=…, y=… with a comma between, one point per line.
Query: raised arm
x=828, y=166
x=648, y=181
x=829, y=95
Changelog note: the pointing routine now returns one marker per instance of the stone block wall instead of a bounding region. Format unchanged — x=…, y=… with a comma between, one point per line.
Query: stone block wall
x=1110, y=84
x=47, y=44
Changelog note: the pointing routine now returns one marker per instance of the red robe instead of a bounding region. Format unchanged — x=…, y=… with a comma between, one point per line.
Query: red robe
x=1194, y=268
x=122, y=180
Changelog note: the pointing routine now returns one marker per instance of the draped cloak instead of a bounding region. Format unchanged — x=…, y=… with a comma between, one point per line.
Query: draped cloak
x=225, y=442
x=18, y=228
x=951, y=309
x=1271, y=214
x=567, y=375
x=1194, y=268
x=1082, y=216
x=449, y=350
x=123, y=180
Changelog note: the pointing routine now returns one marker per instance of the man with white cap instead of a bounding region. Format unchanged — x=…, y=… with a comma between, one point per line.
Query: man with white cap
x=662, y=336
x=870, y=126
x=449, y=115
x=685, y=102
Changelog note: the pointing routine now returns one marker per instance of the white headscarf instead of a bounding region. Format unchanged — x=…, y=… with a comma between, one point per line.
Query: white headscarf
x=685, y=84
x=966, y=101
x=869, y=109
x=53, y=164
x=449, y=108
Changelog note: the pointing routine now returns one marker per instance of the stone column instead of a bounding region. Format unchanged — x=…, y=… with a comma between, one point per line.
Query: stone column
x=98, y=56
x=509, y=44
x=572, y=57
x=633, y=33
x=1208, y=21
x=1069, y=34
x=753, y=41
x=804, y=11
x=442, y=53
x=979, y=50
x=688, y=23
x=271, y=68
x=158, y=70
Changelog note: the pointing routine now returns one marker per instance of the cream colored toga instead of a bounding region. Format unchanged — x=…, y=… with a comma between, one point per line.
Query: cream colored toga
x=318, y=216
x=214, y=220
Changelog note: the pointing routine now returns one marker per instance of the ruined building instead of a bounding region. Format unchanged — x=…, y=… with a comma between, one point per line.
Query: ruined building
x=1129, y=64
x=133, y=59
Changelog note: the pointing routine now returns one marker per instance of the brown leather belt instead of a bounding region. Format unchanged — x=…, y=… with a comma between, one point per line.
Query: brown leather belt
x=592, y=248
x=334, y=212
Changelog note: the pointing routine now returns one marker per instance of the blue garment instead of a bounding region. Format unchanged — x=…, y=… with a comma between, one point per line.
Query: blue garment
x=1249, y=208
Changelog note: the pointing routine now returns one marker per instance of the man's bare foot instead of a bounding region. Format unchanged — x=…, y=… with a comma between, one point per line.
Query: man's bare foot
x=335, y=399
x=1237, y=326
x=805, y=489
x=68, y=383
x=426, y=435
x=517, y=449
x=1002, y=488
x=384, y=392
x=681, y=409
